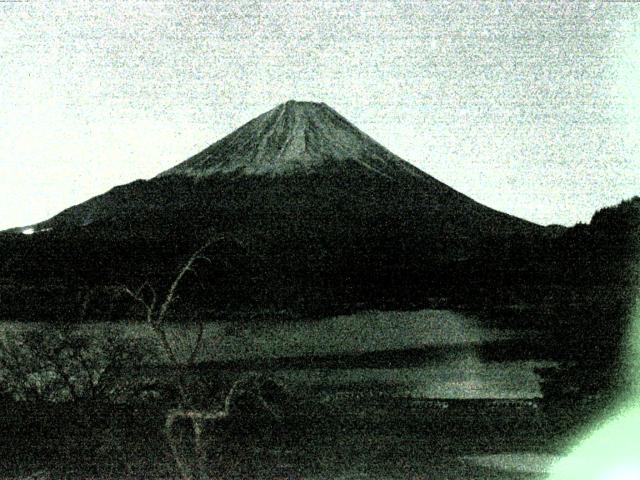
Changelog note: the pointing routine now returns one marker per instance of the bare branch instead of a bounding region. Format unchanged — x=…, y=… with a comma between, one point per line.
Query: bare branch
x=135, y=295
x=166, y=344
x=198, y=344
x=198, y=255
x=157, y=312
x=85, y=304
x=149, y=308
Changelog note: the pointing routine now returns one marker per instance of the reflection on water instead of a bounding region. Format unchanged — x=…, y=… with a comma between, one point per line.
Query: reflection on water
x=457, y=371
x=465, y=377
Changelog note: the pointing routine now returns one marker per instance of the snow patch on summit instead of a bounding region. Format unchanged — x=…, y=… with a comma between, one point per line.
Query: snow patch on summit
x=295, y=137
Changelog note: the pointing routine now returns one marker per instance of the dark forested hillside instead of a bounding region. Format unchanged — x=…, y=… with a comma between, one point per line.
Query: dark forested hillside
x=318, y=217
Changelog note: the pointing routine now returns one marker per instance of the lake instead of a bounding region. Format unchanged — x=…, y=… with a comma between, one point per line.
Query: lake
x=436, y=353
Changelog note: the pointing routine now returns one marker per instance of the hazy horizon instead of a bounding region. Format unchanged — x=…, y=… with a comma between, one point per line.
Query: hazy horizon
x=531, y=109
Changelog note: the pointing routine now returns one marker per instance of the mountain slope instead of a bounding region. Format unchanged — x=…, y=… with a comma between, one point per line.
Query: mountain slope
x=292, y=150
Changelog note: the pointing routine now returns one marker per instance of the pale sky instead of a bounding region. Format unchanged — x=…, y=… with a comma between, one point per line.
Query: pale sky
x=530, y=108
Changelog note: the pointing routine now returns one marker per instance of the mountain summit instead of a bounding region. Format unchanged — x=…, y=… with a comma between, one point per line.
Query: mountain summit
x=294, y=137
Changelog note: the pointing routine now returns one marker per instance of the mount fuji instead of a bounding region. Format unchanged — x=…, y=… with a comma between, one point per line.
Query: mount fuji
x=280, y=153
x=324, y=214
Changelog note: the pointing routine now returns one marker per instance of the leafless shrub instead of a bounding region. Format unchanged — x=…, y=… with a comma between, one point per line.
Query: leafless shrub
x=55, y=364
x=156, y=310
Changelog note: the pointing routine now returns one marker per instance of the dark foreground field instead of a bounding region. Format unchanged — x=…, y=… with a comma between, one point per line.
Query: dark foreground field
x=339, y=439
